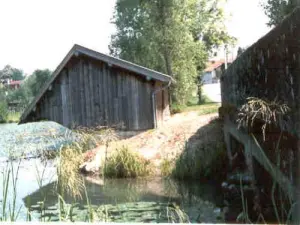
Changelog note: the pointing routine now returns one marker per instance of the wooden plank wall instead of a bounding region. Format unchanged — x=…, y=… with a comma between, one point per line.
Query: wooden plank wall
x=90, y=93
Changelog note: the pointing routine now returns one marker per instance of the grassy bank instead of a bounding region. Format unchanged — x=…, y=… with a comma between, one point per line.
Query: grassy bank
x=124, y=163
x=203, y=108
x=13, y=117
x=202, y=156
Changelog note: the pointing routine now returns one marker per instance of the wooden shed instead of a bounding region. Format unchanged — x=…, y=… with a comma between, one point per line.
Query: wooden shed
x=91, y=89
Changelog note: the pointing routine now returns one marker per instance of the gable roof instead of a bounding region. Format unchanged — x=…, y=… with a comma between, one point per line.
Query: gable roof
x=77, y=50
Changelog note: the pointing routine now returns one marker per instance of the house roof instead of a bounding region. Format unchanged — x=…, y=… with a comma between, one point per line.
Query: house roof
x=15, y=82
x=214, y=64
x=80, y=50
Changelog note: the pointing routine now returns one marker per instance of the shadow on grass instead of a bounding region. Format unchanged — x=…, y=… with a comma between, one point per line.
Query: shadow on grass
x=204, y=155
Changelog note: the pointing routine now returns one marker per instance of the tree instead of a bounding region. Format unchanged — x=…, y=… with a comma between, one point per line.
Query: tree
x=37, y=80
x=17, y=75
x=276, y=10
x=29, y=88
x=11, y=73
x=171, y=36
x=240, y=51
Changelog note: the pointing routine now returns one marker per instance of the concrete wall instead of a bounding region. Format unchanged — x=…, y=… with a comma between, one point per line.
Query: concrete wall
x=212, y=91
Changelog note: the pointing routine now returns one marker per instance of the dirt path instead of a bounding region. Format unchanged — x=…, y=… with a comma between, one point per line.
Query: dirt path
x=167, y=140
x=171, y=137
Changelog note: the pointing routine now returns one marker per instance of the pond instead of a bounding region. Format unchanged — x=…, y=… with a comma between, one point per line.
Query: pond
x=124, y=200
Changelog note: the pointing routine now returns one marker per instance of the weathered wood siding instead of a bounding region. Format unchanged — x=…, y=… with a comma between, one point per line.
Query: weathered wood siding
x=162, y=104
x=91, y=93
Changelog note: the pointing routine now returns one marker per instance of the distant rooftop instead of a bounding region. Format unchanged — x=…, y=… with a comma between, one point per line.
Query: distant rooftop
x=214, y=64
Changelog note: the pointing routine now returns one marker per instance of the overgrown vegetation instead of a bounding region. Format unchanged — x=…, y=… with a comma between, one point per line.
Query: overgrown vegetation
x=13, y=117
x=204, y=159
x=268, y=114
x=124, y=163
x=69, y=179
x=3, y=112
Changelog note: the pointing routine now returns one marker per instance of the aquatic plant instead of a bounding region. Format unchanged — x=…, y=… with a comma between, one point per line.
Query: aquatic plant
x=9, y=185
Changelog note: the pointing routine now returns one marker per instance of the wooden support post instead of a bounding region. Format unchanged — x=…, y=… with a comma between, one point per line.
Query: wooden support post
x=228, y=146
x=296, y=209
x=64, y=100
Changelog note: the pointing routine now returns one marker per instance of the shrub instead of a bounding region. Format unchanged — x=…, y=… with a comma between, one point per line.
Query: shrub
x=175, y=108
x=3, y=112
x=124, y=163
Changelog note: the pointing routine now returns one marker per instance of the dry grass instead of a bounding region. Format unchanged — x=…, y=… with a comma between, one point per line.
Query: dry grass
x=69, y=179
x=268, y=112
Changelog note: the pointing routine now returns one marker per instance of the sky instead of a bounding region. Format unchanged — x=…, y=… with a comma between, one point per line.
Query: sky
x=38, y=34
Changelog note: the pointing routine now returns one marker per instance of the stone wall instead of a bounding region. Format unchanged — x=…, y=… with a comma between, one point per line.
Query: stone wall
x=269, y=69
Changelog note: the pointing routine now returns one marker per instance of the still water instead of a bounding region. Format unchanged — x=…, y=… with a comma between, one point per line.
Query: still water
x=139, y=199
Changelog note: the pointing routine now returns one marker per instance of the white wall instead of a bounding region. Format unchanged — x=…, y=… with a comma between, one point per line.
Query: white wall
x=207, y=78
x=212, y=91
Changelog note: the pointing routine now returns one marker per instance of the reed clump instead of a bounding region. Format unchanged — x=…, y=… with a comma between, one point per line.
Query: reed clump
x=69, y=178
x=123, y=163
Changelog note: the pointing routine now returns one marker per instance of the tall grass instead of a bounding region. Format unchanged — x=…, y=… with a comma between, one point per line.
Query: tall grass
x=9, y=193
x=124, y=163
x=69, y=179
x=13, y=117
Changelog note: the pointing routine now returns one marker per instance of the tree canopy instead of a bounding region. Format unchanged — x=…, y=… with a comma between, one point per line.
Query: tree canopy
x=37, y=80
x=12, y=73
x=171, y=36
x=276, y=10
x=29, y=87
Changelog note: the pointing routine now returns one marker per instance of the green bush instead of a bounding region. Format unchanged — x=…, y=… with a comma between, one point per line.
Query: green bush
x=3, y=112
x=175, y=108
x=124, y=163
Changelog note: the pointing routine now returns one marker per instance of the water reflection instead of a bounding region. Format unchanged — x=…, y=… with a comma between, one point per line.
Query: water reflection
x=197, y=199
